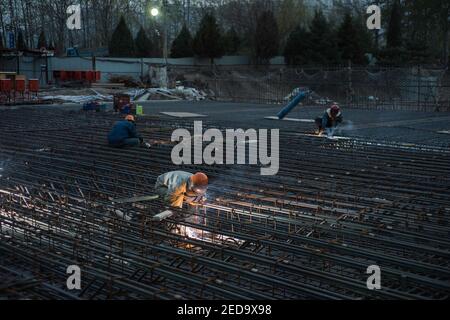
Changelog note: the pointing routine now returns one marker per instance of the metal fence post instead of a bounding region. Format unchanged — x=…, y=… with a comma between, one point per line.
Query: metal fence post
x=418, y=87
x=215, y=87
x=349, y=88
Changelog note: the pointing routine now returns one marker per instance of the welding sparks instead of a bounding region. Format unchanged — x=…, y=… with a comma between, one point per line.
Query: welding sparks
x=205, y=236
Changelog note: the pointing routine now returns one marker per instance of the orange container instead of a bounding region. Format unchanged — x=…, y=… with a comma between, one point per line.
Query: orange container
x=6, y=85
x=98, y=75
x=20, y=86
x=33, y=85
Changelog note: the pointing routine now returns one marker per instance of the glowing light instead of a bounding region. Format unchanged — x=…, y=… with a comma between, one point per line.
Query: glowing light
x=205, y=236
x=154, y=12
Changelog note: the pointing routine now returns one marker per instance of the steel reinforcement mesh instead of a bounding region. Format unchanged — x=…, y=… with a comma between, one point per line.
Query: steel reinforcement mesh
x=335, y=208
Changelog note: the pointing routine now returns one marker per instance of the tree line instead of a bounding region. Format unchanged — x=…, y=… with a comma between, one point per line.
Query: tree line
x=412, y=31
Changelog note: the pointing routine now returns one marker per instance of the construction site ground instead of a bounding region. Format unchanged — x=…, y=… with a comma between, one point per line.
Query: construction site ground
x=390, y=125
x=378, y=196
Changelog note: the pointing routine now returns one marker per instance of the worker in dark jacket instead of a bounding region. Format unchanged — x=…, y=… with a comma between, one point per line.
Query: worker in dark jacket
x=124, y=134
x=330, y=120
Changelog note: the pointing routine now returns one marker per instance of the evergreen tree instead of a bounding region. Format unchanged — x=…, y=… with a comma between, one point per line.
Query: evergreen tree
x=121, y=44
x=365, y=35
x=323, y=41
x=267, y=38
x=395, y=53
x=426, y=28
x=350, y=42
x=232, y=42
x=42, y=41
x=20, y=41
x=290, y=15
x=182, y=45
x=396, y=56
x=393, y=37
x=208, y=42
x=298, y=47
x=420, y=53
x=143, y=45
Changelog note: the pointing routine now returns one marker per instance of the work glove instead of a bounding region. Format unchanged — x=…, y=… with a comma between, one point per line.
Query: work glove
x=146, y=145
x=202, y=200
x=196, y=201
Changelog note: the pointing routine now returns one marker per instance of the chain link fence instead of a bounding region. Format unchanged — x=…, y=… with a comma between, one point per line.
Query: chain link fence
x=411, y=88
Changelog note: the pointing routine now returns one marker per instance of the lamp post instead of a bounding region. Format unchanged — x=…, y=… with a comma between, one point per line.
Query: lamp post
x=156, y=12
x=166, y=31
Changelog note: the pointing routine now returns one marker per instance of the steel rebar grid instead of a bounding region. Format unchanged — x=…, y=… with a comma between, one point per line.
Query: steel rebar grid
x=305, y=226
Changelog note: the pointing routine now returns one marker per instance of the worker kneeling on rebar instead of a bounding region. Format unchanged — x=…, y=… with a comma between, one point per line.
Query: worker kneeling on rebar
x=330, y=120
x=124, y=134
x=178, y=187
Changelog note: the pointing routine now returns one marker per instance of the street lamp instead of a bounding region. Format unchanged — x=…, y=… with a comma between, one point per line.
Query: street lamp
x=156, y=12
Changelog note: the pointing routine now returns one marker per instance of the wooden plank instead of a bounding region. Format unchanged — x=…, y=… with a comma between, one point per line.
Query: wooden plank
x=135, y=199
x=163, y=215
x=183, y=114
x=291, y=119
x=107, y=85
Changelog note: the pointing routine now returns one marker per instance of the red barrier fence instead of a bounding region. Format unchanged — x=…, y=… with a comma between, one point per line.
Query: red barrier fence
x=16, y=91
x=5, y=85
x=85, y=76
x=33, y=85
x=20, y=86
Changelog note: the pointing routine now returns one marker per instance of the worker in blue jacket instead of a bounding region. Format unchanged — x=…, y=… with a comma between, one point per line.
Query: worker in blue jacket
x=124, y=134
x=330, y=120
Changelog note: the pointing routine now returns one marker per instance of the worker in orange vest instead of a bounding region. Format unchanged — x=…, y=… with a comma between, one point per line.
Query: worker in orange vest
x=178, y=187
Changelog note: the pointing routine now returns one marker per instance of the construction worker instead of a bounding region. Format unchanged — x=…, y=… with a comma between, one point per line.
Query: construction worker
x=124, y=134
x=178, y=187
x=330, y=120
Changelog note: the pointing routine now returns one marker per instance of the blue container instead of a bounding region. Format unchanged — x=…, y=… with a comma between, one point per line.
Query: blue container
x=126, y=109
x=90, y=106
x=94, y=106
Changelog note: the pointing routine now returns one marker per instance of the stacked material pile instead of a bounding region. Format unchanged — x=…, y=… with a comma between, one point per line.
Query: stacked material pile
x=138, y=95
